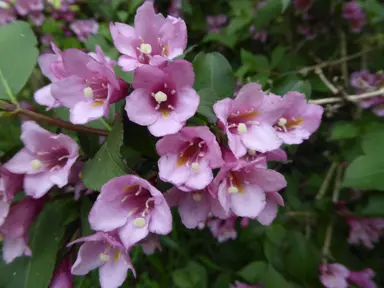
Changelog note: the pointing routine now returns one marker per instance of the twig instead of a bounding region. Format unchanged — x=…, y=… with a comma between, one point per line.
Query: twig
x=344, y=64
x=324, y=186
x=351, y=98
x=326, y=82
x=336, y=189
x=49, y=120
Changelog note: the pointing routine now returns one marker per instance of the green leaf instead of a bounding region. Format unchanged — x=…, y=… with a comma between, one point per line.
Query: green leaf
x=344, y=130
x=256, y=63
x=222, y=38
x=192, y=276
x=285, y=4
x=12, y=275
x=270, y=11
x=100, y=40
x=47, y=232
x=374, y=207
x=213, y=71
x=133, y=5
x=365, y=172
x=274, y=279
x=277, y=55
x=276, y=233
x=126, y=76
x=373, y=142
x=19, y=56
x=9, y=134
x=89, y=143
x=254, y=271
x=207, y=98
x=107, y=163
x=292, y=83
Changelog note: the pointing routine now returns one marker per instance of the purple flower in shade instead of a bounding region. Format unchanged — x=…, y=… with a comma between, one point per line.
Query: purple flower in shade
x=363, y=80
x=52, y=66
x=223, y=230
x=355, y=15
x=46, y=159
x=241, y=187
x=188, y=157
x=303, y=6
x=10, y=184
x=84, y=28
x=91, y=87
x=106, y=252
x=28, y=7
x=247, y=120
x=175, y=9
x=150, y=244
x=334, y=275
x=306, y=30
x=239, y=284
x=299, y=119
x=269, y=213
x=363, y=279
x=134, y=207
x=152, y=40
x=62, y=278
x=163, y=99
x=195, y=207
x=7, y=12
x=14, y=230
x=216, y=22
x=365, y=230
x=37, y=18
x=260, y=35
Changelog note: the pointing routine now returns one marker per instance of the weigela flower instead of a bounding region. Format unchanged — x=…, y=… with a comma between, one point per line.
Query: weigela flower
x=241, y=187
x=334, y=275
x=134, y=207
x=195, y=207
x=46, y=159
x=15, y=228
x=91, y=87
x=363, y=278
x=150, y=244
x=366, y=231
x=355, y=15
x=269, y=213
x=163, y=99
x=247, y=120
x=223, y=230
x=7, y=12
x=10, y=184
x=26, y=7
x=84, y=28
x=62, y=278
x=188, y=157
x=299, y=119
x=152, y=40
x=106, y=252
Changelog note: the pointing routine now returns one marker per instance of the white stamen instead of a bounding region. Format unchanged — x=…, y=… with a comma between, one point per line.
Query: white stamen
x=171, y=107
x=282, y=122
x=173, y=92
x=138, y=191
x=233, y=190
x=104, y=257
x=124, y=198
x=251, y=152
x=139, y=222
x=195, y=167
x=42, y=153
x=133, y=211
x=197, y=197
x=88, y=92
x=63, y=157
x=242, y=128
x=55, y=168
x=157, y=107
x=36, y=164
x=4, y=5
x=145, y=48
x=160, y=97
x=201, y=154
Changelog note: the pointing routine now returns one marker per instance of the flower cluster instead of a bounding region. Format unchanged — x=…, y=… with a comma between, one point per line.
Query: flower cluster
x=364, y=81
x=355, y=15
x=365, y=230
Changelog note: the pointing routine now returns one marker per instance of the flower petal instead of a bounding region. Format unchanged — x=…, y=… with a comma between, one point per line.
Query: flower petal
x=261, y=137
x=140, y=109
x=248, y=203
x=88, y=257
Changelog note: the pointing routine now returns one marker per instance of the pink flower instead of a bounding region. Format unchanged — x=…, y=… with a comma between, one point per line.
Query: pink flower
x=363, y=80
x=90, y=88
x=247, y=120
x=84, y=28
x=365, y=230
x=150, y=244
x=46, y=159
x=7, y=12
x=303, y=5
x=10, y=184
x=26, y=7
x=62, y=278
x=134, y=207
x=241, y=187
x=194, y=207
x=106, y=252
x=15, y=228
x=223, y=230
x=363, y=279
x=188, y=157
x=239, y=284
x=52, y=66
x=269, y=213
x=299, y=119
x=152, y=40
x=355, y=15
x=163, y=99
x=216, y=22
x=334, y=275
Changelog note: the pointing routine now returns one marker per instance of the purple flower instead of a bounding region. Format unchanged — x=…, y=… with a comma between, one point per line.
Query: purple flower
x=163, y=99
x=15, y=228
x=84, y=28
x=355, y=15
x=216, y=22
x=194, y=207
x=223, y=230
x=188, y=157
x=363, y=278
x=91, y=87
x=10, y=184
x=150, y=244
x=175, y=9
x=247, y=120
x=363, y=80
x=7, y=12
x=365, y=230
x=269, y=213
x=62, y=278
x=241, y=187
x=26, y=7
x=299, y=119
x=152, y=40
x=134, y=207
x=46, y=159
x=334, y=275
x=106, y=252
x=239, y=284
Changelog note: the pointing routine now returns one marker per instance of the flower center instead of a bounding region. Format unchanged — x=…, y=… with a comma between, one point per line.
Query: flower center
x=36, y=164
x=238, y=122
x=164, y=99
x=197, y=197
x=139, y=222
x=145, y=48
x=242, y=128
x=192, y=154
x=88, y=92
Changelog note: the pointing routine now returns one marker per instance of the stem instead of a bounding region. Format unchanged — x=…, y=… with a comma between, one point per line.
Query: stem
x=8, y=90
x=106, y=125
x=49, y=120
x=324, y=186
x=337, y=187
x=351, y=98
x=344, y=65
x=326, y=82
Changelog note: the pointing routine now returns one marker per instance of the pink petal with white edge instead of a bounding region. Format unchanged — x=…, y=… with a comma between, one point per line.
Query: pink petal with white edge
x=249, y=202
x=147, y=76
x=140, y=109
x=130, y=234
x=124, y=37
x=113, y=273
x=128, y=63
x=169, y=171
x=261, y=137
x=236, y=145
x=165, y=126
x=187, y=102
x=181, y=73
x=161, y=219
x=222, y=109
x=37, y=185
x=20, y=163
x=88, y=257
x=13, y=248
x=68, y=91
x=201, y=179
x=44, y=97
x=86, y=111
x=192, y=211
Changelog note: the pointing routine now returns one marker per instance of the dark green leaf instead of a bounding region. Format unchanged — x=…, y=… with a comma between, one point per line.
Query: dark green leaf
x=89, y=143
x=254, y=271
x=374, y=207
x=99, y=40
x=285, y=4
x=126, y=76
x=277, y=55
x=274, y=279
x=9, y=134
x=270, y=11
x=107, y=163
x=193, y=275
x=373, y=142
x=207, y=98
x=276, y=233
x=256, y=63
x=344, y=130
x=12, y=275
x=19, y=56
x=292, y=83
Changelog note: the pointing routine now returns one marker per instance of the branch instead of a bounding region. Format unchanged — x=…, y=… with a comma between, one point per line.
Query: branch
x=351, y=98
x=327, y=180
x=49, y=120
